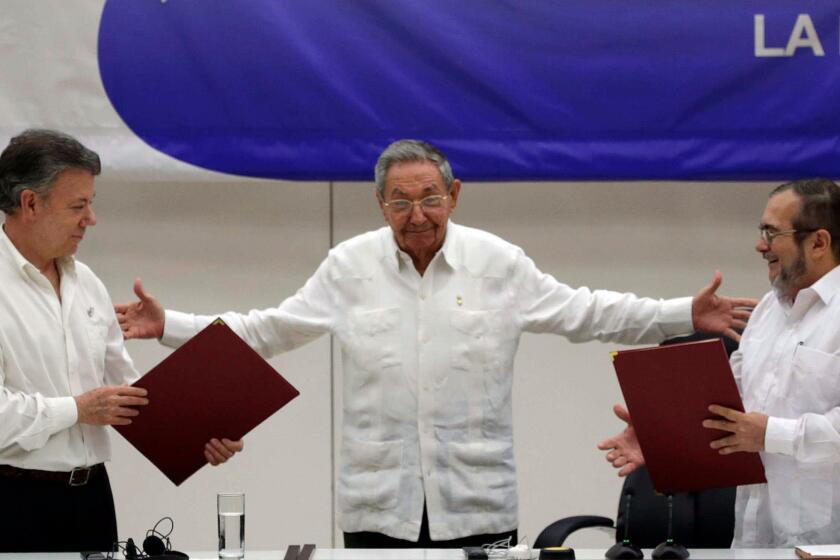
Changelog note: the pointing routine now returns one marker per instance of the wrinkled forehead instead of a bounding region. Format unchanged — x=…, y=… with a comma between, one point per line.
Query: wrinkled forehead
x=414, y=178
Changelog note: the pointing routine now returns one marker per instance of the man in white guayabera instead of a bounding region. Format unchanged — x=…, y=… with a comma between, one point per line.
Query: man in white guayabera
x=429, y=315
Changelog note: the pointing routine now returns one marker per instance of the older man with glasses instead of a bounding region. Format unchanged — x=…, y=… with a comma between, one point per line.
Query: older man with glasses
x=788, y=371
x=429, y=315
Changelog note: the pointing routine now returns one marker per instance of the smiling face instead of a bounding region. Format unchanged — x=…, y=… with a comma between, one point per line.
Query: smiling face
x=419, y=231
x=787, y=263
x=61, y=217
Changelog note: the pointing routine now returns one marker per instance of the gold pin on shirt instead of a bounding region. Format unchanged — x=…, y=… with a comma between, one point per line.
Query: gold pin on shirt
x=459, y=300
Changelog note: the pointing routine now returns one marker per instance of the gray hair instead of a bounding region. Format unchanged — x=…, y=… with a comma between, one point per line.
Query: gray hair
x=404, y=151
x=820, y=208
x=34, y=158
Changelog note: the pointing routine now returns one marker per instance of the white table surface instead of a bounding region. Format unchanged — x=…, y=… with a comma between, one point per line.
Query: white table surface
x=441, y=554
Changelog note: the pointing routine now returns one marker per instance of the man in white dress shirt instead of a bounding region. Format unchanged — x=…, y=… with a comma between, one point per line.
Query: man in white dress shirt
x=63, y=364
x=788, y=371
x=429, y=315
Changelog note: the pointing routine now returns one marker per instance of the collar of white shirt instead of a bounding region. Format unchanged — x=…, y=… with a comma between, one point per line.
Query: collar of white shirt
x=827, y=286
x=821, y=290
x=395, y=255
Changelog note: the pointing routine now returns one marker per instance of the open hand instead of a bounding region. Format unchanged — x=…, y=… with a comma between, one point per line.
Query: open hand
x=623, y=449
x=143, y=318
x=720, y=314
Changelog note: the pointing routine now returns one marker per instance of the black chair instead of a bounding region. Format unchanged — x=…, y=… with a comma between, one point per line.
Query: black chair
x=700, y=519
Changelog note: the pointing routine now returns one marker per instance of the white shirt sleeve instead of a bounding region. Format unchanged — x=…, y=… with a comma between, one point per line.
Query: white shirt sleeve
x=297, y=320
x=29, y=420
x=811, y=438
x=582, y=314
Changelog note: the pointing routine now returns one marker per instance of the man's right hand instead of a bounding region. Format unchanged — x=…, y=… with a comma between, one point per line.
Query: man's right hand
x=108, y=406
x=623, y=449
x=143, y=318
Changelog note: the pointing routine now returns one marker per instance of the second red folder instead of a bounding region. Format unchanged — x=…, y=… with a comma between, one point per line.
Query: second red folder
x=668, y=390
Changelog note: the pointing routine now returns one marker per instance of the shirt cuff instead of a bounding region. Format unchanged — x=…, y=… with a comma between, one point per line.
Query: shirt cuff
x=675, y=316
x=62, y=413
x=177, y=328
x=780, y=435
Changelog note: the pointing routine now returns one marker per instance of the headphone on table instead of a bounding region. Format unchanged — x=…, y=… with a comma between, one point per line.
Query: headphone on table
x=156, y=545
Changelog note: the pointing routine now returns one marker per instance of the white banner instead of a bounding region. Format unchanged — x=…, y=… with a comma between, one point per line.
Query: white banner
x=50, y=79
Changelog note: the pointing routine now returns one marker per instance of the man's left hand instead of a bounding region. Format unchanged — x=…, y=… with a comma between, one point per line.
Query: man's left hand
x=748, y=429
x=623, y=450
x=219, y=451
x=720, y=314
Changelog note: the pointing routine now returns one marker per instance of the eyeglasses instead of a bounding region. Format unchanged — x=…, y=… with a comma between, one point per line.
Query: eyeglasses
x=401, y=205
x=767, y=235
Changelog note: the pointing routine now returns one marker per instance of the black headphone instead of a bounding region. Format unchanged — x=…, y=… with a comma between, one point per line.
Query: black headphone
x=156, y=545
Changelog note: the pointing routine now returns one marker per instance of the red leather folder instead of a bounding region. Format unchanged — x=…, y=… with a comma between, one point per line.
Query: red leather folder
x=668, y=390
x=214, y=386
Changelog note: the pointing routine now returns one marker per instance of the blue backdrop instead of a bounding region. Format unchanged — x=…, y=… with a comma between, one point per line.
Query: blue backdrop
x=518, y=89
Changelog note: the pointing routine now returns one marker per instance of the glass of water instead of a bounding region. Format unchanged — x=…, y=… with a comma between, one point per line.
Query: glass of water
x=231, y=508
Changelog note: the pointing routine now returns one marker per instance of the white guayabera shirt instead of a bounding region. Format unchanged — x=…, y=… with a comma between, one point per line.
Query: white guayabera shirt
x=788, y=368
x=50, y=350
x=428, y=366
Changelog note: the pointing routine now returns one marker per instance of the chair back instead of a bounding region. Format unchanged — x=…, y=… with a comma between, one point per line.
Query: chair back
x=703, y=519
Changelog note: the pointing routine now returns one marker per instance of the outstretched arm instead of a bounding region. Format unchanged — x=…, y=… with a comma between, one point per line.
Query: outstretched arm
x=623, y=449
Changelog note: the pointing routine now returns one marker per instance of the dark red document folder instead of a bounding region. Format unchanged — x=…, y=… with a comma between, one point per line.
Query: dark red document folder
x=214, y=386
x=668, y=390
